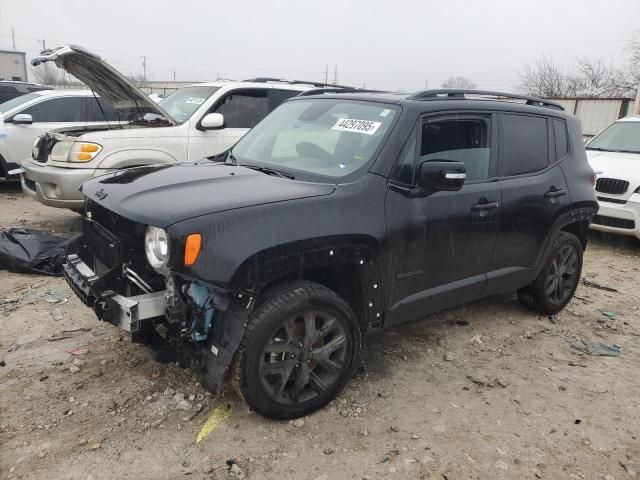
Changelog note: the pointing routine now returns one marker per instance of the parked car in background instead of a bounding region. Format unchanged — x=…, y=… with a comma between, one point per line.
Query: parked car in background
x=337, y=214
x=615, y=156
x=11, y=89
x=32, y=114
x=191, y=123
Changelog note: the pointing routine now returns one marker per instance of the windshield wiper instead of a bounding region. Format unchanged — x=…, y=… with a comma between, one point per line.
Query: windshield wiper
x=270, y=171
x=231, y=158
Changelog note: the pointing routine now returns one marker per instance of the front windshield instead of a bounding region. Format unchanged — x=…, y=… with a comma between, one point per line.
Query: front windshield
x=618, y=137
x=182, y=103
x=16, y=102
x=326, y=137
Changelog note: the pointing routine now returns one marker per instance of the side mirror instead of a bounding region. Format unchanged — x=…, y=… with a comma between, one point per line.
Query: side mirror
x=22, y=119
x=212, y=121
x=439, y=175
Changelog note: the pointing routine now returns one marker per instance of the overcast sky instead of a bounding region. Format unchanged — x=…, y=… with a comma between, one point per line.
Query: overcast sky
x=392, y=44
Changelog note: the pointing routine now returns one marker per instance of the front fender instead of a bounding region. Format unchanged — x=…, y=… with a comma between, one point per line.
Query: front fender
x=135, y=158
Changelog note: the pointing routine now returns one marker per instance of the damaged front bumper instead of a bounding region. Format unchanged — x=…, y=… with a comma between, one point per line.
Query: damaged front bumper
x=128, y=313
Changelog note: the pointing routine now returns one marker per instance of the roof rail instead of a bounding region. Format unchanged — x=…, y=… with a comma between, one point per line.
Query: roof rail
x=294, y=82
x=443, y=94
x=318, y=91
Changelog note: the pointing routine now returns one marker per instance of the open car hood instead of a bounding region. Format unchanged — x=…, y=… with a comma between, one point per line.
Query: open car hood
x=130, y=102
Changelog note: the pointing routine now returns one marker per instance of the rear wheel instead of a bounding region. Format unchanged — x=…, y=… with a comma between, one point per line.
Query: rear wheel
x=558, y=279
x=298, y=351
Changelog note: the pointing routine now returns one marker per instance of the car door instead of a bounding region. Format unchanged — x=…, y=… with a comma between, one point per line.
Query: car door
x=534, y=193
x=47, y=115
x=242, y=110
x=440, y=243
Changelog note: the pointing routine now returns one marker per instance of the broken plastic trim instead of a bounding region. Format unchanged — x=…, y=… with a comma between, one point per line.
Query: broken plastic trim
x=203, y=311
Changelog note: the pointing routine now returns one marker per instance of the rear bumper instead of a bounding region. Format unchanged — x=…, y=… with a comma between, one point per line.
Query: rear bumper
x=128, y=313
x=617, y=218
x=55, y=186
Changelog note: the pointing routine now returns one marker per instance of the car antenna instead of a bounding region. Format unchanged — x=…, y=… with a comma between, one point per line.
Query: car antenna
x=101, y=109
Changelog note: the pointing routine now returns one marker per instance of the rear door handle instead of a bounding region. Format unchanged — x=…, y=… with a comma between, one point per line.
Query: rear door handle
x=555, y=193
x=480, y=207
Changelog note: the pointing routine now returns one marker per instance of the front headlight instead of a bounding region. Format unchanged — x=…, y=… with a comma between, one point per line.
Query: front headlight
x=67, y=151
x=156, y=246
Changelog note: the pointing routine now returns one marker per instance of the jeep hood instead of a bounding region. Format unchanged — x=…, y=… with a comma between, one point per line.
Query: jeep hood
x=161, y=195
x=130, y=102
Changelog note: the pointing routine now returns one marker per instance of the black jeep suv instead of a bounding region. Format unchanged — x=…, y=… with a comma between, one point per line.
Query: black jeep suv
x=339, y=213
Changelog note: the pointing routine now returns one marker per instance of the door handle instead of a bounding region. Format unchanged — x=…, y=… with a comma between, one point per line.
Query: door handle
x=553, y=192
x=481, y=207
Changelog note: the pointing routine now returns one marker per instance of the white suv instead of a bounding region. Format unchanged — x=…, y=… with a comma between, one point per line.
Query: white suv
x=614, y=154
x=193, y=122
x=30, y=115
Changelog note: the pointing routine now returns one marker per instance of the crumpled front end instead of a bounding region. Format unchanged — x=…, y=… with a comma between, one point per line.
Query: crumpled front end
x=181, y=318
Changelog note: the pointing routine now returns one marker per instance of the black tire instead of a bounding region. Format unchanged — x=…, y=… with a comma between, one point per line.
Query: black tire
x=554, y=287
x=283, y=368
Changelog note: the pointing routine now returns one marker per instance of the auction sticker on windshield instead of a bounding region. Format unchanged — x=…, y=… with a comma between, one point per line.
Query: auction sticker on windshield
x=354, y=125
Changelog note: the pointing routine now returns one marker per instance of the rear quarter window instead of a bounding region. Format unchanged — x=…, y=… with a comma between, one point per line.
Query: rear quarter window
x=561, y=137
x=524, y=144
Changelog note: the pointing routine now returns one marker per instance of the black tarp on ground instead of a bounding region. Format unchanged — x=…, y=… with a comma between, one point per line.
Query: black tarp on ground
x=31, y=251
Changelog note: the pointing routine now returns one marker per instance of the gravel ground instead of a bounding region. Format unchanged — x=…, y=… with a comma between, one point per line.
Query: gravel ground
x=485, y=391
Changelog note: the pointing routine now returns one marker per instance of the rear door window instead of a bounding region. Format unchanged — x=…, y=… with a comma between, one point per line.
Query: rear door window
x=100, y=110
x=244, y=108
x=524, y=144
x=276, y=97
x=66, y=109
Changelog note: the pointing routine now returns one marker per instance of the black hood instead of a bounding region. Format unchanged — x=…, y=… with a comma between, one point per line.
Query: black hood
x=162, y=195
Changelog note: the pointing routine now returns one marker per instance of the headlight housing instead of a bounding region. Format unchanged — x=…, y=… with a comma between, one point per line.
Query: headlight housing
x=157, y=247
x=68, y=151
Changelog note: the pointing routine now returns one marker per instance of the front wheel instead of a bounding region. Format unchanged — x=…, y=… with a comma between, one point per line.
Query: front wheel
x=298, y=352
x=558, y=279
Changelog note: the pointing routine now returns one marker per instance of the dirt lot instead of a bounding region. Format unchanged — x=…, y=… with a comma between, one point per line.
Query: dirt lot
x=486, y=391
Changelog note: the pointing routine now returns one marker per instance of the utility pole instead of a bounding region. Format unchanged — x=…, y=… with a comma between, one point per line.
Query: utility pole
x=44, y=45
x=174, y=75
x=426, y=84
x=335, y=76
x=144, y=69
x=13, y=38
x=636, y=104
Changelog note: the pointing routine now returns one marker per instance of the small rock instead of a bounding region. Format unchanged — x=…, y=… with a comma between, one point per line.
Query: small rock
x=328, y=451
x=192, y=397
x=78, y=362
x=477, y=378
x=476, y=339
x=502, y=382
x=344, y=413
x=449, y=357
x=414, y=437
x=501, y=465
x=184, y=405
x=609, y=477
x=363, y=433
x=207, y=469
x=178, y=397
x=42, y=454
x=528, y=334
x=323, y=477
x=392, y=469
x=298, y=422
x=168, y=392
x=56, y=313
x=83, y=442
x=235, y=470
x=553, y=318
x=96, y=446
x=538, y=475
x=74, y=369
x=426, y=459
x=405, y=358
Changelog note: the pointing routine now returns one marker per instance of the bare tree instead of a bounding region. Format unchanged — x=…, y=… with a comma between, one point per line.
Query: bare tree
x=48, y=74
x=459, y=82
x=546, y=79
x=587, y=78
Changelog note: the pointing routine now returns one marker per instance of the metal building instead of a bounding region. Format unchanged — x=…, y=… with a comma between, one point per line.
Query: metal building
x=13, y=65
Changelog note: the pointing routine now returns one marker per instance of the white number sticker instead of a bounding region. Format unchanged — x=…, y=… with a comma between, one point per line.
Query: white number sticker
x=354, y=125
x=195, y=100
